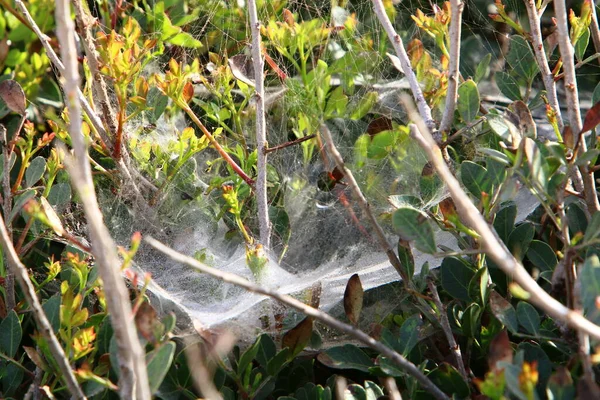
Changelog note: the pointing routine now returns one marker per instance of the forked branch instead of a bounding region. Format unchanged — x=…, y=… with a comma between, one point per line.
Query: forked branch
x=489, y=241
x=325, y=318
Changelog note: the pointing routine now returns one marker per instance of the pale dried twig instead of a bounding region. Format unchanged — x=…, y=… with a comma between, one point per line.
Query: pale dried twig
x=456, y=9
x=133, y=380
x=489, y=241
x=396, y=40
x=572, y=95
x=542, y=60
x=258, y=62
x=325, y=318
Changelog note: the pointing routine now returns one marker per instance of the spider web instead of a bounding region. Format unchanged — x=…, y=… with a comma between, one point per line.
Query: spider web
x=330, y=237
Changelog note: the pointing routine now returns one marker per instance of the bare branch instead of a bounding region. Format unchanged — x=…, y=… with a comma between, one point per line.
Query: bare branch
x=567, y=55
x=396, y=40
x=20, y=272
x=454, y=347
x=362, y=202
x=264, y=225
x=489, y=241
x=325, y=318
x=133, y=381
x=456, y=9
x=542, y=61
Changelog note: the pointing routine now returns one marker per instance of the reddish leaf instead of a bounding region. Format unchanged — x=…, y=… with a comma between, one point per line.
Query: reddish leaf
x=500, y=350
x=592, y=118
x=188, y=92
x=14, y=97
x=379, y=125
x=353, y=299
x=298, y=337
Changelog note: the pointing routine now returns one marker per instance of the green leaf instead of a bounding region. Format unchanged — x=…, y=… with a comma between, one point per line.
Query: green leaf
x=448, y=379
x=593, y=229
x=381, y=144
x=52, y=310
x=520, y=239
x=596, y=94
x=276, y=363
x=266, y=350
x=508, y=86
x=409, y=334
x=364, y=105
x=412, y=224
x=520, y=58
x=10, y=334
x=247, y=357
x=406, y=258
x=589, y=280
x=336, y=103
x=60, y=194
x=577, y=219
x=504, y=222
x=20, y=201
x=11, y=378
x=355, y=392
x=11, y=161
x=158, y=362
x=482, y=68
x=582, y=44
x=468, y=100
x=346, y=357
x=35, y=171
x=504, y=312
x=456, y=276
x=528, y=318
x=475, y=178
x=541, y=255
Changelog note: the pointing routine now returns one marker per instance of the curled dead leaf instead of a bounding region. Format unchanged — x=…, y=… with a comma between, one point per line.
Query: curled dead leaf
x=13, y=95
x=353, y=298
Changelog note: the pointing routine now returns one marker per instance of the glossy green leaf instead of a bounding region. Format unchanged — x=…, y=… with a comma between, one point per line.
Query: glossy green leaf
x=51, y=308
x=542, y=256
x=412, y=224
x=266, y=350
x=520, y=58
x=276, y=363
x=508, y=85
x=20, y=201
x=456, y=276
x=409, y=334
x=592, y=231
x=468, y=100
x=520, y=239
x=10, y=334
x=346, y=357
x=449, y=380
x=504, y=222
x=35, y=171
x=158, y=362
x=406, y=258
x=577, y=219
x=589, y=281
x=582, y=44
x=528, y=318
x=475, y=178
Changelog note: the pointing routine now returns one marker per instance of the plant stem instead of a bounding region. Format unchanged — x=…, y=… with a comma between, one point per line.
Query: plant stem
x=325, y=318
x=264, y=225
x=290, y=143
x=456, y=9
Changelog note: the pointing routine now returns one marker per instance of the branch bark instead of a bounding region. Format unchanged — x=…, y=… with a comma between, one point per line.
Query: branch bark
x=542, y=60
x=570, y=80
x=456, y=9
x=396, y=40
x=264, y=224
x=325, y=318
x=489, y=240
x=133, y=381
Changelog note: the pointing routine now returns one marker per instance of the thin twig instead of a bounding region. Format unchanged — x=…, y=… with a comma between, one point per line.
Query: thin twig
x=489, y=240
x=325, y=318
x=362, y=202
x=595, y=30
x=542, y=61
x=572, y=95
x=9, y=282
x=290, y=143
x=264, y=225
x=454, y=347
x=84, y=21
x=133, y=380
x=456, y=9
x=20, y=272
x=396, y=40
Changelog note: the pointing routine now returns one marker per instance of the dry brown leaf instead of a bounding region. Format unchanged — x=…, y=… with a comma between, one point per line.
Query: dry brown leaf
x=242, y=69
x=52, y=217
x=298, y=337
x=500, y=350
x=353, y=298
x=14, y=97
x=592, y=118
